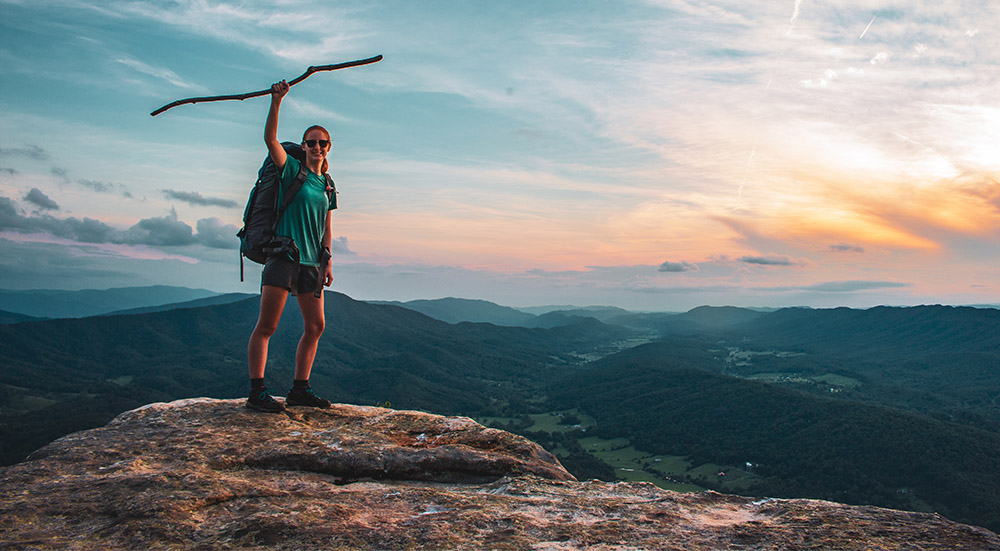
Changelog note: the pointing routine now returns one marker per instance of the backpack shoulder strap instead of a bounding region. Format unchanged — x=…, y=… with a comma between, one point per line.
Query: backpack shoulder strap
x=331, y=190
x=294, y=188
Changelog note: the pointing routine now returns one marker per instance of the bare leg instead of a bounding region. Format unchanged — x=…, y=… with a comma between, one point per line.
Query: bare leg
x=272, y=303
x=314, y=322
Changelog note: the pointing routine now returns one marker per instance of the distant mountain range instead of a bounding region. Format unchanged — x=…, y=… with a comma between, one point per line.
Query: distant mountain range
x=197, y=303
x=458, y=310
x=886, y=406
x=93, y=302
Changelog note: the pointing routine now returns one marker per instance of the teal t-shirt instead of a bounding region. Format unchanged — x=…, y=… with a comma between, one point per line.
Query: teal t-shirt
x=305, y=218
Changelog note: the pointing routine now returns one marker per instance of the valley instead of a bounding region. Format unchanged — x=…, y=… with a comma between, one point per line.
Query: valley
x=879, y=406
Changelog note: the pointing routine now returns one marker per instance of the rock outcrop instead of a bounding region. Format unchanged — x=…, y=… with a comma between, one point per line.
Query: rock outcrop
x=209, y=474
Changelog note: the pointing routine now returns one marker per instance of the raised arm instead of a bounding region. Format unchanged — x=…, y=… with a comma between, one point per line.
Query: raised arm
x=274, y=149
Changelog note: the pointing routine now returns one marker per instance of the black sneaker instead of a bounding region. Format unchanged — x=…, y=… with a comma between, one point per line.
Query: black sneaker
x=306, y=397
x=260, y=400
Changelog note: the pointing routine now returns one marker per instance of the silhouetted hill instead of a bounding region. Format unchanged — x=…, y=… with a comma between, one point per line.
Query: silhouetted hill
x=197, y=303
x=43, y=303
x=666, y=398
x=457, y=310
x=597, y=312
x=720, y=316
x=556, y=319
x=600, y=313
x=11, y=317
x=861, y=332
x=933, y=359
x=660, y=323
x=697, y=320
x=100, y=366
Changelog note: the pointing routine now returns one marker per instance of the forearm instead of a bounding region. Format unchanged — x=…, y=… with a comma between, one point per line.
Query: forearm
x=278, y=91
x=328, y=234
x=271, y=125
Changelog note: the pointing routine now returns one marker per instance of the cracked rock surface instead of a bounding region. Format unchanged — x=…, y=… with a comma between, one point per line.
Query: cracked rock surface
x=210, y=474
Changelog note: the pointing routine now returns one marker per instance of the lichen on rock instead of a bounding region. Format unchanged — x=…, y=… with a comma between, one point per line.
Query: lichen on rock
x=210, y=474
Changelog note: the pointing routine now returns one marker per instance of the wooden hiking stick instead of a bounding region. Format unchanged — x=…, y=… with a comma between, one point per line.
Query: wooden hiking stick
x=293, y=82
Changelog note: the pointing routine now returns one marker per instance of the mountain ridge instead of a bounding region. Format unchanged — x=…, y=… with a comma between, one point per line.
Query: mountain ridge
x=373, y=354
x=52, y=303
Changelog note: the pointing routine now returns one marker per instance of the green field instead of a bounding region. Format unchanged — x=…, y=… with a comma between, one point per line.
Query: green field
x=629, y=464
x=666, y=471
x=831, y=379
x=548, y=422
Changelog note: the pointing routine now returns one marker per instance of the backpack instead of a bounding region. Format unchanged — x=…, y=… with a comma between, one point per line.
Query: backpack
x=265, y=207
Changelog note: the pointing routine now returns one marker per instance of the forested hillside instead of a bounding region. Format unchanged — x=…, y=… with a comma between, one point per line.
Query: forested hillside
x=665, y=398
x=895, y=407
x=67, y=374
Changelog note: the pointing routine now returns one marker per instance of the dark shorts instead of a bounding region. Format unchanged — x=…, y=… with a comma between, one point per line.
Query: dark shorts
x=281, y=272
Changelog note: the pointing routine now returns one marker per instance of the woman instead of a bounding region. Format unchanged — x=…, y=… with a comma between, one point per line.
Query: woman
x=307, y=221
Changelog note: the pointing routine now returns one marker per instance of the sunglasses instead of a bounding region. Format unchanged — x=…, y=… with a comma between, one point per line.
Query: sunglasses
x=323, y=144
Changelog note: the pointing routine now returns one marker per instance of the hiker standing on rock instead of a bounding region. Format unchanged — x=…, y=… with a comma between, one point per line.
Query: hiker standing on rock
x=307, y=220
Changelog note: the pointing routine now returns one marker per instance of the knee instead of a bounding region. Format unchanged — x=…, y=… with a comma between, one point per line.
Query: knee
x=264, y=329
x=314, y=328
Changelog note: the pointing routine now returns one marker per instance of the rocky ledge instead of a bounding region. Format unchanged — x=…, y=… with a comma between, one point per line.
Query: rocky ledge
x=209, y=474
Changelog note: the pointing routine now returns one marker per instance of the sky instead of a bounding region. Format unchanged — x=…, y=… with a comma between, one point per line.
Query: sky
x=654, y=155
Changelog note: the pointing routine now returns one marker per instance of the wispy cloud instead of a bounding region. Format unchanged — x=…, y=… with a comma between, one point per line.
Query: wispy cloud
x=161, y=73
x=195, y=198
x=770, y=260
x=29, y=151
x=290, y=31
x=845, y=247
x=846, y=286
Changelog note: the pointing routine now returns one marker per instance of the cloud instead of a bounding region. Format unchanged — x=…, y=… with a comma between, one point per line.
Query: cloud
x=195, y=198
x=39, y=199
x=339, y=245
x=86, y=230
x=163, y=231
x=32, y=152
x=847, y=248
x=158, y=72
x=213, y=233
x=673, y=267
x=881, y=58
x=58, y=264
x=10, y=215
x=286, y=31
x=852, y=286
x=106, y=187
x=102, y=187
x=61, y=173
x=771, y=260
x=795, y=15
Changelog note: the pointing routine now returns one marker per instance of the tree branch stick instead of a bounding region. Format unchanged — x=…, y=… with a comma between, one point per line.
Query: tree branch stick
x=248, y=95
